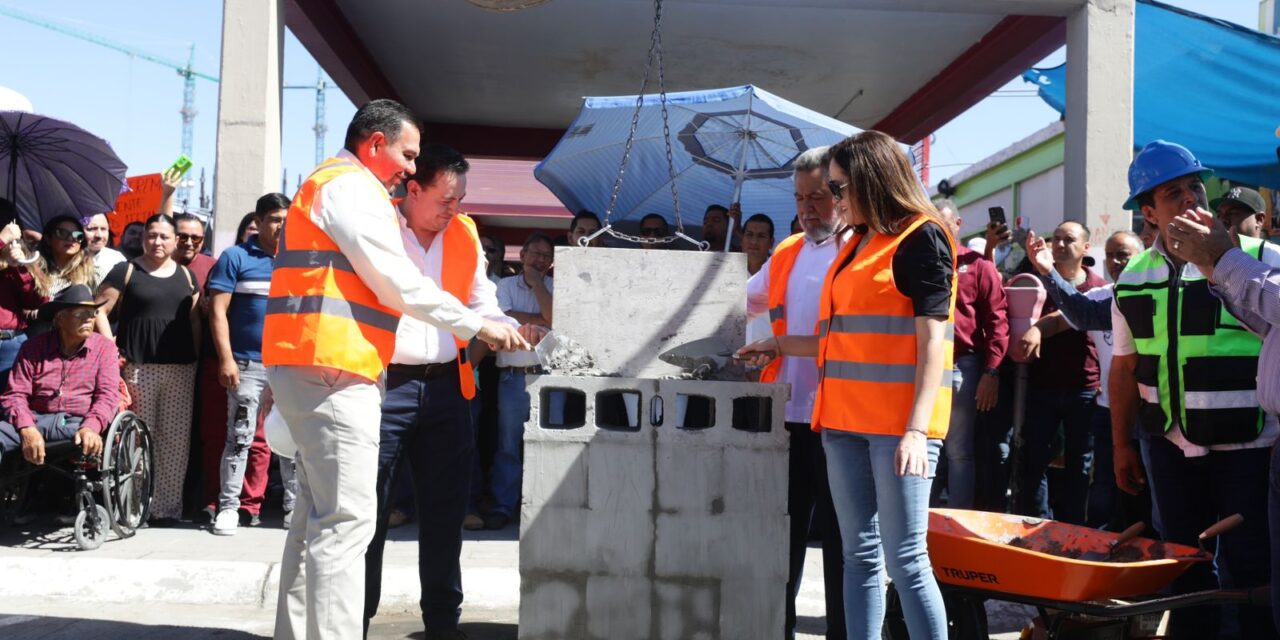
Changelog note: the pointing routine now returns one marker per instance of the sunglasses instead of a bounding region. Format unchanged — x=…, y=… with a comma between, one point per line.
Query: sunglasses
x=837, y=188
x=68, y=234
x=187, y=237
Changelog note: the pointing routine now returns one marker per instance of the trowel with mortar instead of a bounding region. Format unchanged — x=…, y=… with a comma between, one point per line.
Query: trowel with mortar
x=563, y=355
x=705, y=358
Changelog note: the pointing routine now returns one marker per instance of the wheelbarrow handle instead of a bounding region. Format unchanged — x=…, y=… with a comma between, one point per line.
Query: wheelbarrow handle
x=1129, y=534
x=1222, y=526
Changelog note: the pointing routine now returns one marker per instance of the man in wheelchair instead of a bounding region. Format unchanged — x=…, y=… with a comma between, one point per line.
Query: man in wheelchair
x=65, y=384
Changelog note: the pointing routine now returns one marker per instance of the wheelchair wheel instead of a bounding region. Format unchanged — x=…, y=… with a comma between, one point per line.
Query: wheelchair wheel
x=91, y=528
x=12, y=495
x=127, y=480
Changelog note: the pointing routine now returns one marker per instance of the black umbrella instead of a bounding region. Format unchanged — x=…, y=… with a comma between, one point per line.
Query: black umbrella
x=50, y=168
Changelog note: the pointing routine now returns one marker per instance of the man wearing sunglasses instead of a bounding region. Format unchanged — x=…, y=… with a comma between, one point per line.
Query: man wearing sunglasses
x=190, y=235
x=654, y=226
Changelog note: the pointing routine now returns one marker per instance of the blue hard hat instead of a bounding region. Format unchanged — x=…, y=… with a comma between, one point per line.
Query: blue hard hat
x=1158, y=163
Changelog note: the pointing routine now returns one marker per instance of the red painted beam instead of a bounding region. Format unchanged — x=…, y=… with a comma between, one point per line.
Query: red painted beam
x=1009, y=48
x=323, y=29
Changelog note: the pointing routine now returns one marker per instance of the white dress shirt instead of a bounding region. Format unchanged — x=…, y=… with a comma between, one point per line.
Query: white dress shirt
x=804, y=288
x=420, y=343
x=354, y=211
x=515, y=295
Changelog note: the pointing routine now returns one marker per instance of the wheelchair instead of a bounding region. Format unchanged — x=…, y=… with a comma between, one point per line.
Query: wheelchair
x=113, y=489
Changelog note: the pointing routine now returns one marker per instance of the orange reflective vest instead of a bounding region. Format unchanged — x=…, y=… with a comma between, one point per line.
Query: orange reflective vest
x=319, y=312
x=867, y=343
x=780, y=264
x=461, y=244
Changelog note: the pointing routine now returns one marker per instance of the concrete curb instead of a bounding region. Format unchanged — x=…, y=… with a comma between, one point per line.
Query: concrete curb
x=85, y=579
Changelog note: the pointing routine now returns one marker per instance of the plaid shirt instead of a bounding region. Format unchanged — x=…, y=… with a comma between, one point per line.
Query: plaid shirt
x=43, y=381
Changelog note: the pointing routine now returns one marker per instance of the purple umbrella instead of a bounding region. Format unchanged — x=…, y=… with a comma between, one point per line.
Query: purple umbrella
x=50, y=168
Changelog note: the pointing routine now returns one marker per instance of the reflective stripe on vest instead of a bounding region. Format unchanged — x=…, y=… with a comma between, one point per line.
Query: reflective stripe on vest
x=867, y=343
x=319, y=312
x=1197, y=365
x=780, y=265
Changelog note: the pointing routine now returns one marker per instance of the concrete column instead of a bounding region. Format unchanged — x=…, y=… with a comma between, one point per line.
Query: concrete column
x=1099, y=119
x=248, y=162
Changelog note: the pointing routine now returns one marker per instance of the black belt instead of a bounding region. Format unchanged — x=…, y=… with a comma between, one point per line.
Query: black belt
x=428, y=371
x=529, y=371
x=9, y=334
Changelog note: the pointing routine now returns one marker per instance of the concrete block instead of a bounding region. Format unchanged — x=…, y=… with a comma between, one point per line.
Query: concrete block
x=752, y=608
x=554, y=539
x=555, y=473
x=756, y=481
x=619, y=542
x=723, y=393
x=687, y=609
x=720, y=546
x=643, y=291
x=691, y=478
x=552, y=608
x=618, y=608
x=620, y=474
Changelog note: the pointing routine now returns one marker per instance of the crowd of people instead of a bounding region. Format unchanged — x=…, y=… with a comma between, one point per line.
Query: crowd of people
x=395, y=345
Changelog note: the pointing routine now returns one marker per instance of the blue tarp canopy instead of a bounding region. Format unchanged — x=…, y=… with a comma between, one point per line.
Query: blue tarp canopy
x=1209, y=85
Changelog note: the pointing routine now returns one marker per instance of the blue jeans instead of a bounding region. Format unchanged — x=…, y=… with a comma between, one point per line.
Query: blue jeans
x=961, y=442
x=1192, y=493
x=242, y=423
x=1047, y=409
x=513, y=412
x=9, y=354
x=876, y=508
x=426, y=423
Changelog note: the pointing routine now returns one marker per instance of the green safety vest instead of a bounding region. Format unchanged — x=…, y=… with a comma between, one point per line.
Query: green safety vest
x=1197, y=365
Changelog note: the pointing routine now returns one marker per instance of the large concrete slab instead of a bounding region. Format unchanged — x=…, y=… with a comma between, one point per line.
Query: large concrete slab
x=627, y=305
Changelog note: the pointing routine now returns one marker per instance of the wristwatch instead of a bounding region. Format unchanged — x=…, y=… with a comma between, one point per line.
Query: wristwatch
x=992, y=371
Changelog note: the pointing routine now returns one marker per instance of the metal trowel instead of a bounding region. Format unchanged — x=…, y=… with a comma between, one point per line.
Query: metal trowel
x=702, y=358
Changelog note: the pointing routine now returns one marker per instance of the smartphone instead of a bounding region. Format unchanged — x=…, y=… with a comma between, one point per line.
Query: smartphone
x=181, y=165
x=996, y=214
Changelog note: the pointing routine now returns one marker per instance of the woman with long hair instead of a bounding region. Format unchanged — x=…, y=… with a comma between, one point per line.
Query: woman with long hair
x=64, y=259
x=886, y=315
x=159, y=326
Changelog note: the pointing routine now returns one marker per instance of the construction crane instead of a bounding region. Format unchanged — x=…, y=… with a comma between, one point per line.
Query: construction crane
x=320, y=127
x=189, y=76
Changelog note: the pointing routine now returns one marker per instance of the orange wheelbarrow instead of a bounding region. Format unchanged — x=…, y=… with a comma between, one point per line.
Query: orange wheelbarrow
x=1071, y=574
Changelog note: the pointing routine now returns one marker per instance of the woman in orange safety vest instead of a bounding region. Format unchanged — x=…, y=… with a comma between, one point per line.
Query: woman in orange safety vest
x=883, y=347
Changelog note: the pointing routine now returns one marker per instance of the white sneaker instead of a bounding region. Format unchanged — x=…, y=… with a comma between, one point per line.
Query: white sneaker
x=226, y=522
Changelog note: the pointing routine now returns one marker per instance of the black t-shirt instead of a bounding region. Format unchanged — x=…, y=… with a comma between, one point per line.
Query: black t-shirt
x=155, y=315
x=922, y=270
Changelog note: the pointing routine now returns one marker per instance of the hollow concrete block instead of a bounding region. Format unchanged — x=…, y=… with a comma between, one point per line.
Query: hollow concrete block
x=552, y=607
x=618, y=608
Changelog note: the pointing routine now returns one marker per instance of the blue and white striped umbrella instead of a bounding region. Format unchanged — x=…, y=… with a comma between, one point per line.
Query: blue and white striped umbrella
x=729, y=145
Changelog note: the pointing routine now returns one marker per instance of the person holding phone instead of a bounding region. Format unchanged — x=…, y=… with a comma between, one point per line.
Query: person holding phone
x=886, y=314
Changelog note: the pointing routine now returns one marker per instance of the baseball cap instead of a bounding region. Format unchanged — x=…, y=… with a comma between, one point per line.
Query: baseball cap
x=1243, y=196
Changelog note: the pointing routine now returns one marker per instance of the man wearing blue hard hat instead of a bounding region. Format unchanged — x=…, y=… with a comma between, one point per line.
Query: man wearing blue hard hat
x=1186, y=366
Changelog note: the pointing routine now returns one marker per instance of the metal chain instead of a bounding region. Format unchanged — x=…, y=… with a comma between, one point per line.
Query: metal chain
x=655, y=54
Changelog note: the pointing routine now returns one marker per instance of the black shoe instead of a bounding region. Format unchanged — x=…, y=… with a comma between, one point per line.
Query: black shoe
x=445, y=634
x=249, y=519
x=496, y=520
x=164, y=523
x=208, y=515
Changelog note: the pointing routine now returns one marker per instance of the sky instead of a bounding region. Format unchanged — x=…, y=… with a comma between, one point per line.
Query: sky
x=134, y=103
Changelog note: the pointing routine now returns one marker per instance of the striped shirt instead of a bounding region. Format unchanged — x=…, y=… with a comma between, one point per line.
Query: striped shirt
x=244, y=271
